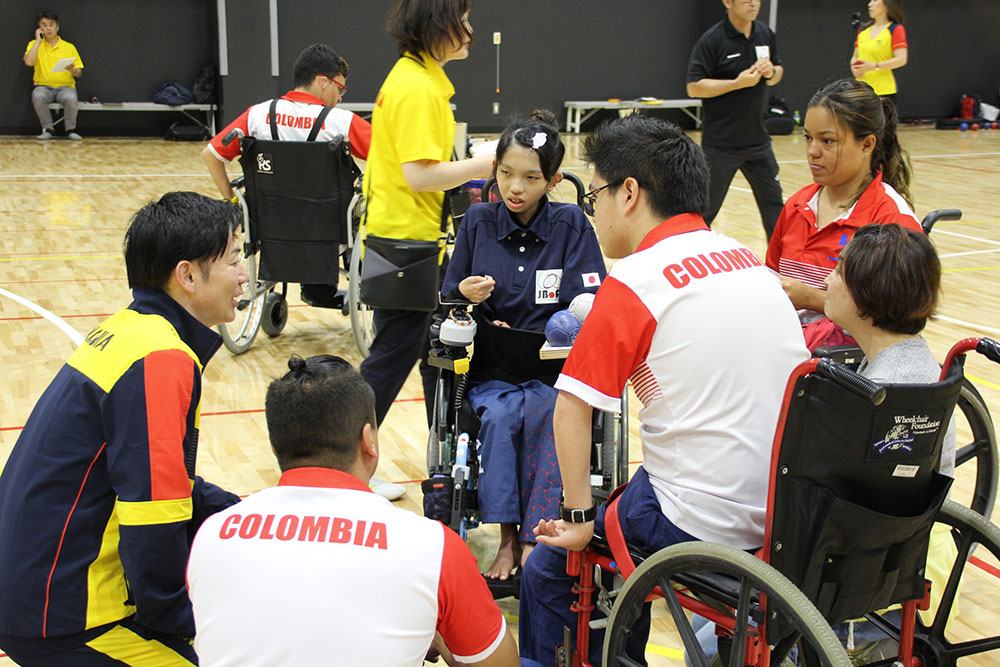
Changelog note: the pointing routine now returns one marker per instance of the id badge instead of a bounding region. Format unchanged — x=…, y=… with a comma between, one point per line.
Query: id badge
x=763, y=52
x=547, y=283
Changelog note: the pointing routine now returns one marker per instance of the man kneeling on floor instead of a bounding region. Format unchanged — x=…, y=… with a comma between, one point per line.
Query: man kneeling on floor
x=320, y=570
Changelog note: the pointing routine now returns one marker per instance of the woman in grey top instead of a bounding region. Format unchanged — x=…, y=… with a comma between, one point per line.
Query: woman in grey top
x=883, y=291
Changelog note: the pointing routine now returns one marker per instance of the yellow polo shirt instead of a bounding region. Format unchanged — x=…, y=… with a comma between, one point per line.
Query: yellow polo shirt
x=878, y=48
x=48, y=56
x=412, y=120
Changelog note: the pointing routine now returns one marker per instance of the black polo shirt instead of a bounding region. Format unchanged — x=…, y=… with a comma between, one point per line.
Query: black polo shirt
x=736, y=119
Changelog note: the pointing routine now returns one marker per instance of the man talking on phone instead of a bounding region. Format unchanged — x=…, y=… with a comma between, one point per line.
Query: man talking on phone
x=57, y=67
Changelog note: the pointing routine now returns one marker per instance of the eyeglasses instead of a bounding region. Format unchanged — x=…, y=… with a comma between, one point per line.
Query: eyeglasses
x=342, y=87
x=589, y=200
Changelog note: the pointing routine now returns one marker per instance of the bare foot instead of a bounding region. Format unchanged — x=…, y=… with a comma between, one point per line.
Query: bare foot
x=526, y=549
x=507, y=555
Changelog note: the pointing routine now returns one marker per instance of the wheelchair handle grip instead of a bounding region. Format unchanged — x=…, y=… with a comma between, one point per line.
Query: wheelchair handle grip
x=848, y=379
x=989, y=348
x=231, y=136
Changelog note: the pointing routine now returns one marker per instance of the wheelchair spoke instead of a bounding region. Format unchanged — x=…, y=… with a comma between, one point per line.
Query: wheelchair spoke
x=692, y=650
x=742, y=621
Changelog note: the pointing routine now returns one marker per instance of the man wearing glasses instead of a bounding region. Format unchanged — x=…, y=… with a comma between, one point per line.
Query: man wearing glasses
x=320, y=79
x=732, y=66
x=704, y=333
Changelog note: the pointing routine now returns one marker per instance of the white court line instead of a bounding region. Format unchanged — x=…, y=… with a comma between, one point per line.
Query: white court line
x=108, y=176
x=970, y=325
x=968, y=252
x=73, y=334
x=964, y=236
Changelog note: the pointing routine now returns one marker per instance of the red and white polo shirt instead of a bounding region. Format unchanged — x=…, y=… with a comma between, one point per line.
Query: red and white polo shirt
x=320, y=570
x=708, y=338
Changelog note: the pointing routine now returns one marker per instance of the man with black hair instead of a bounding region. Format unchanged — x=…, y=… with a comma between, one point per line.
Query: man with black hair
x=732, y=67
x=703, y=331
x=99, y=500
x=299, y=574
x=319, y=77
x=54, y=82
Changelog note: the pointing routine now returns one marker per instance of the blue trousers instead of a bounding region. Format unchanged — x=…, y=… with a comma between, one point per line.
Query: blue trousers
x=546, y=589
x=519, y=479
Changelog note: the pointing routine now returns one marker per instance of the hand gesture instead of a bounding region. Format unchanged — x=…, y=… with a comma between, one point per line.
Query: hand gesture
x=748, y=77
x=558, y=533
x=765, y=67
x=477, y=288
x=861, y=67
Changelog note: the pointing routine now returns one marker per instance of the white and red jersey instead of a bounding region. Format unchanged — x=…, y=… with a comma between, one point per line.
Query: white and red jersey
x=319, y=570
x=295, y=114
x=800, y=250
x=708, y=339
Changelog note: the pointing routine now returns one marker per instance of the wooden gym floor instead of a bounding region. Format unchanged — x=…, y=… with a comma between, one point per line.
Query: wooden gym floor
x=65, y=205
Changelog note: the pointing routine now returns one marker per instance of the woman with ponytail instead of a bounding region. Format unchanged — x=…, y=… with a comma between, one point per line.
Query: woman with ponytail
x=881, y=47
x=860, y=176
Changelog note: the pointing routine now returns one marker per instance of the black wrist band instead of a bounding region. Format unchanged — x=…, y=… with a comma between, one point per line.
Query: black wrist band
x=577, y=515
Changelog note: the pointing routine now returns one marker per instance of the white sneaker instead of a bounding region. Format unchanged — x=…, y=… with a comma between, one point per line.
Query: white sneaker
x=387, y=490
x=46, y=134
x=74, y=136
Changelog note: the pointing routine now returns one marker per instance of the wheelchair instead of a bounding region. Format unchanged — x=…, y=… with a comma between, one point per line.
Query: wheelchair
x=854, y=493
x=981, y=452
x=508, y=354
x=302, y=206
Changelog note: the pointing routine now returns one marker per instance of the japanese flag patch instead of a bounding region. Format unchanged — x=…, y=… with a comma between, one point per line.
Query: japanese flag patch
x=591, y=279
x=547, y=283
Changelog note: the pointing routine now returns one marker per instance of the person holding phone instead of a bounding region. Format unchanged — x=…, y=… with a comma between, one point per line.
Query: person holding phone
x=55, y=77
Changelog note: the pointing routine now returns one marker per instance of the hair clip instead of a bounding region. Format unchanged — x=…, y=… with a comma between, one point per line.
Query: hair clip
x=538, y=140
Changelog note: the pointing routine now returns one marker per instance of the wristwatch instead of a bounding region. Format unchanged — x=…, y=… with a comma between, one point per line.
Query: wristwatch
x=577, y=515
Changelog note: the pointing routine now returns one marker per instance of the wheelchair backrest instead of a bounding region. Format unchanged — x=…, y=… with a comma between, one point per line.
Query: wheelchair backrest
x=855, y=490
x=298, y=194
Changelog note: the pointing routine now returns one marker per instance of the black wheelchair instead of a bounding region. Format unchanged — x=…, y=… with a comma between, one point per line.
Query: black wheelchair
x=302, y=206
x=854, y=493
x=980, y=454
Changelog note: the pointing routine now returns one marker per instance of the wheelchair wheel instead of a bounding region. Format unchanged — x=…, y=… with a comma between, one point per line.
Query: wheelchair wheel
x=239, y=334
x=275, y=313
x=979, y=454
x=362, y=316
x=703, y=568
x=932, y=645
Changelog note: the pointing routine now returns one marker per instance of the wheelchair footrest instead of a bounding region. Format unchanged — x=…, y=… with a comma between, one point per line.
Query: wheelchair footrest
x=505, y=588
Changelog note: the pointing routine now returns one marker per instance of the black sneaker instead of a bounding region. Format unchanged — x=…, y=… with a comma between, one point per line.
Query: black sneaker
x=323, y=296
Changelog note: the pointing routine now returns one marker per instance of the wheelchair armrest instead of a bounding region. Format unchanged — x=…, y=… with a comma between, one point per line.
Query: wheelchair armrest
x=849, y=355
x=237, y=182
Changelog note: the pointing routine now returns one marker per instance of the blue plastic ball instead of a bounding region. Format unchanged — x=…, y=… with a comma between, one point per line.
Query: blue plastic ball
x=963, y=126
x=561, y=329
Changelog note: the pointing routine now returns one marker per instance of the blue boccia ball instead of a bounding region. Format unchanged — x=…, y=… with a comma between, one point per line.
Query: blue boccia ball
x=963, y=126
x=561, y=329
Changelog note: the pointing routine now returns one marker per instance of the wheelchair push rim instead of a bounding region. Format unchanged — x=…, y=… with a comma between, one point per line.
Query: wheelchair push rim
x=981, y=451
x=239, y=334
x=758, y=583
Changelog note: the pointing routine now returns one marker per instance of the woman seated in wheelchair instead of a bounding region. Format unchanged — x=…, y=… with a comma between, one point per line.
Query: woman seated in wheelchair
x=860, y=176
x=520, y=259
x=883, y=291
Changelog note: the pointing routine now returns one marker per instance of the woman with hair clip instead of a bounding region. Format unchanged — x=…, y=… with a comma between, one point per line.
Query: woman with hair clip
x=881, y=47
x=521, y=259
x=409, y=168
x=860, y=176
x=883, y=291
